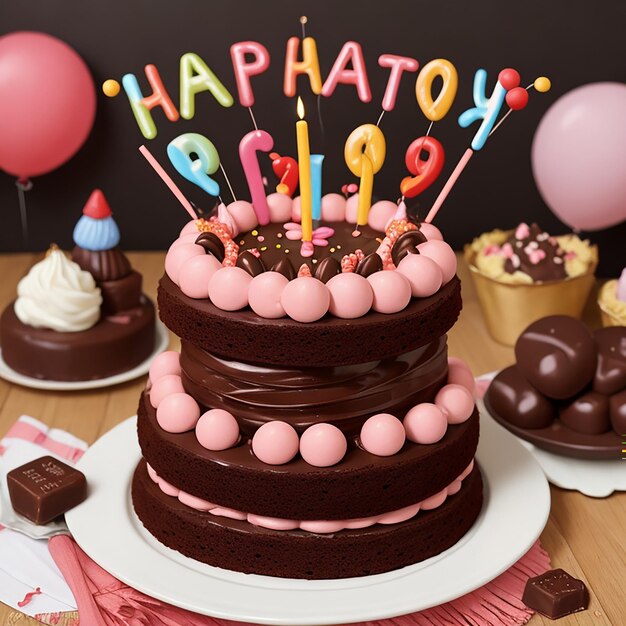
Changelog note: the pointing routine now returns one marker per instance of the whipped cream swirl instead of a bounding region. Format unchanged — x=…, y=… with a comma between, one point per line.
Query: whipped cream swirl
x=57, y=294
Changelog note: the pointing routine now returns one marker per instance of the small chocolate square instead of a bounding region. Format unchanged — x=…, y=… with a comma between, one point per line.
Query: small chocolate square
x=45, y=488
x=556, y=594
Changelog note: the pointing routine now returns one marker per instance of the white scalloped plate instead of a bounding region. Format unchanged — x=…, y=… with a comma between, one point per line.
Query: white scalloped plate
x=597, y=479
x=162, y=340
x=517, y=505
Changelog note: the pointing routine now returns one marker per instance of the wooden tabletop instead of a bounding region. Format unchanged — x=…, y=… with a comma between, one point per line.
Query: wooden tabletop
x=584, y=535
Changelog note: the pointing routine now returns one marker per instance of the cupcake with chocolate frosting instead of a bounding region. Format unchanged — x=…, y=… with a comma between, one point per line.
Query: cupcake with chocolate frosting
x=524, y=274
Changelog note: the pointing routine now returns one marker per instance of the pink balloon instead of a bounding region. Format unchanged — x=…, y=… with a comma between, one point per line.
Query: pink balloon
x=351, y=53
x=578, y=156
x=48, y=103
x=250, y=144
x=398, y=65
x=244, y=70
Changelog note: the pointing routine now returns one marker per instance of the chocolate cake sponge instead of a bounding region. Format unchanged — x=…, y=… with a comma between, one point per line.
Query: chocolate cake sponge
x=240, y=546
x=362, y=485
x=243, y=336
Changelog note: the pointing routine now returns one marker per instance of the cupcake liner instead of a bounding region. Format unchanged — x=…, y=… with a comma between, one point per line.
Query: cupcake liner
x=509, y=309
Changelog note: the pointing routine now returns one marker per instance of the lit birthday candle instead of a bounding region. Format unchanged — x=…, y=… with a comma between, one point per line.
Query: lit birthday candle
x=304, y=167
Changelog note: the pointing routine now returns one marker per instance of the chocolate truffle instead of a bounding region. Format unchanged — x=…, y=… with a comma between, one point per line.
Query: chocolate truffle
x=556, y=594
x=617, y=412
x=557, y=355
x=611, y=370
x=587, y=414
x=515, y=400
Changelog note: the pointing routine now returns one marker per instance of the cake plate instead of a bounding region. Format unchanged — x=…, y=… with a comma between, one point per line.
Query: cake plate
x=516, y=508
x=161, y=342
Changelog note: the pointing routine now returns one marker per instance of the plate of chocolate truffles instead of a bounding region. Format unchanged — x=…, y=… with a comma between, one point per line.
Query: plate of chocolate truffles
x=565, y=397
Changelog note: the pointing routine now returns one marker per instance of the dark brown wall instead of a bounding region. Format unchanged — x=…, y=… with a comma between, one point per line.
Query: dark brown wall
x=572, y=41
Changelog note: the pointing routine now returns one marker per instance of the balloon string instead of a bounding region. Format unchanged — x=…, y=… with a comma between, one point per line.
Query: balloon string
x=253, y=118
x=232, y=193
x=22, y=187
x=319, y=114
x=495, y=128
x=380, y=117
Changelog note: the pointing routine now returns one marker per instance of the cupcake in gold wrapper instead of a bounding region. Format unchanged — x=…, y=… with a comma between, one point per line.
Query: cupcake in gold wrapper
x=525, y=274
x=612, y=301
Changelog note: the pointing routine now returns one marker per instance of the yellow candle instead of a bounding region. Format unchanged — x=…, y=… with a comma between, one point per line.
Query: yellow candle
x=365, y=154
x=304, y=169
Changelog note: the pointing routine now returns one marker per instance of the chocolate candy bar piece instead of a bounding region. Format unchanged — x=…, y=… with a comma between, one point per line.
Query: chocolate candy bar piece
x=45, y=488
x=556, y=594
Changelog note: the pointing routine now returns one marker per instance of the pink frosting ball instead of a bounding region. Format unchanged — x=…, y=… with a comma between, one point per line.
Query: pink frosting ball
x=456, y=401
x=177, y=255
x=264, y=294
x=296, y=211
x=454, y=487
x=425, y=423
x=323, y=445
x=423, y=274
x=333, y=207
x=167, y=362
x=194, y=502
x=195, y=274
x=228, y=288
x=443, y=255
x=383, y=435
x=186, y=238
x=243, y=214
x=168, y=489
x=153, y=475
x=280, y=207
x=351, y=295
x=177, y=413
x=188, y=228
x=435, y=501
x=217, y=430
x=392, y=291
x=430, y=232
x=352, y=208
x=275, y=443
x=380, y=213
x=165, y=386
x=305, y=299
x=459, y=373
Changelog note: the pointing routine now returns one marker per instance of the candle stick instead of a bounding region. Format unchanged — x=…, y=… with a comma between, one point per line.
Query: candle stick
x=364, y=153
x=316, y=185
x=304, y=167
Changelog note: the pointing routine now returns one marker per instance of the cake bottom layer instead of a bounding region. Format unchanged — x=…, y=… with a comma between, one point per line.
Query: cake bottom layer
x=115, y=344
x=240, y=546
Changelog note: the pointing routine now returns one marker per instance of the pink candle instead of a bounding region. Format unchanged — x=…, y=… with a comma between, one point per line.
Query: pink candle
x=250, y=144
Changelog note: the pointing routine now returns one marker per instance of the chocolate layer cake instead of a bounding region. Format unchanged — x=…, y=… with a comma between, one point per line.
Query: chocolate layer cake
x=312, y=425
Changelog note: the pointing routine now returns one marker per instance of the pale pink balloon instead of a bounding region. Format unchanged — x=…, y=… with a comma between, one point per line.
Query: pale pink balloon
x=178, y=413
x=296, y=212
x=333, y=207
x=177, y=255
x=217, y=430
x=423, y=274
x=380, y=213
x=264, y=294
x=165, y=386
x=459, y=373
x=443, y=255
x=195, y=274
x=275, y=443
x=430, y=231
x=323, y=445
x=351, y=295
x=228, y=288
x=167, y=362
x=189, y=228
x=392, y=291
x=243, y=214
x=280, y=208
x=245, y=67
x=425, y=423
x=383, y=435
x=456, y=401
x=305, y=299
x=352, y=208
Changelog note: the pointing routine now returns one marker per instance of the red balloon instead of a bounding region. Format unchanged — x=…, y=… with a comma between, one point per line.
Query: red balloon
x=517, y=98
x=509, y=78
x=426, y=170
x=48, y=103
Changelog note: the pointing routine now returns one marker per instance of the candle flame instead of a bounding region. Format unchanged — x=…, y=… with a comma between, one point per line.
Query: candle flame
x=300, y=108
